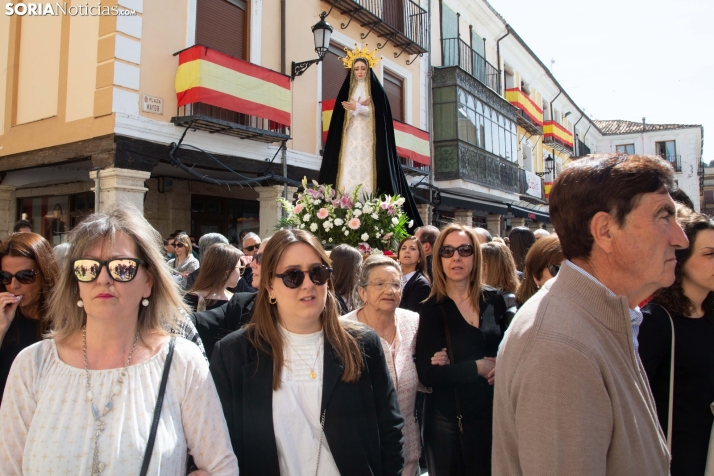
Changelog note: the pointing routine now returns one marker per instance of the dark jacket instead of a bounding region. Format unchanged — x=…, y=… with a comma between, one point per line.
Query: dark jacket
x=214, y=324
x=415, y=292
x=362, y=420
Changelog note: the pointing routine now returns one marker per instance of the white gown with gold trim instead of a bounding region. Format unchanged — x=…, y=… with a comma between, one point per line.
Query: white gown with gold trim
x=357, y=165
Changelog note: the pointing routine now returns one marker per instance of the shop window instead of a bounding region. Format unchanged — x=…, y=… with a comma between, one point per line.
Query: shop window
x=227, y=216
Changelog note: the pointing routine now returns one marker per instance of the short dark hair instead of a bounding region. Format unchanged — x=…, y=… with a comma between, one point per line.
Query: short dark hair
x=22, y=224
x=612, y=183
x=520, y=240
x=429, y=234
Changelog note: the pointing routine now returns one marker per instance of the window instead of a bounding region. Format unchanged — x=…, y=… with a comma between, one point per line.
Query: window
x=221, y=25
x=483, y=127
x=445, y=113
x=510, y=79
x=667, y=150
x=54, y=216
x=628, y=149
x=393, y=87
x=546, y=112
x=449, y=32
x=226, y=216
x=333, y=72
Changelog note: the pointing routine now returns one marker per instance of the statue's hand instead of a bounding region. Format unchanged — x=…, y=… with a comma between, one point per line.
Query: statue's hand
x=365, y=101
x=350, y=106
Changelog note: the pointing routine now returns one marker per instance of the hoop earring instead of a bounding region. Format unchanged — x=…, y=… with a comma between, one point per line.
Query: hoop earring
x=272, y=300
x=80, y=303
x=144, y=302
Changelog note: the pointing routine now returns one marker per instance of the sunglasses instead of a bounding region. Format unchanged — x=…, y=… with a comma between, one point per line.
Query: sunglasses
x=293, y=278
x=178, y=245
x=258, y=257
x=166, y=243
x=25, y=276
x=123, y=270
x=448, y=251
x=251, y=247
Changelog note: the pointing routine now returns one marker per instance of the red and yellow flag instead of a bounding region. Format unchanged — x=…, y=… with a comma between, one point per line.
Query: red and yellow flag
x=209, y=77
x=412, y=143
x=552, y=129
x=521, y=100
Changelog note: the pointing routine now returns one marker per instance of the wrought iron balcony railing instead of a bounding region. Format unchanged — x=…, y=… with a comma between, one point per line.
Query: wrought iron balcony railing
x=674, y=160
x=455, y=160
x=456, y=51
x=402, y=22
x=557, y=137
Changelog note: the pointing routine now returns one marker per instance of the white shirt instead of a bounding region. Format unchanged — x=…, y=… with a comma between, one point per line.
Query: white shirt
x=296, y=408
x=406, y=278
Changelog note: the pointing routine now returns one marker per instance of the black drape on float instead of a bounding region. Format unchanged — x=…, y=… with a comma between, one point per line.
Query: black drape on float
x=390, y=175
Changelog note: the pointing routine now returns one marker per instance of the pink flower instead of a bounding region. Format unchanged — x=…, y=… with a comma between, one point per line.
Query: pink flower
x=387, y=236
x=345, y=202
x=354, y=223
x=364, y=248
x=384, y=205
x=323, y=213
x=298, y=208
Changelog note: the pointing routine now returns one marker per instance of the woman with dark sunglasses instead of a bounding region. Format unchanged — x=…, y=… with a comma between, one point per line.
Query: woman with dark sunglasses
x=184, y=263
x=82, y=401
x=543, y=262
x=28, y=272
x=303, y=392
x=467, y=320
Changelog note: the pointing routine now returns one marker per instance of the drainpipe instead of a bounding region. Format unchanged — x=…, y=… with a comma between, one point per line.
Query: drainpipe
x=498, y=59
x=644, y=127
x=283, y=63
x=97, y=190
x=575, y=134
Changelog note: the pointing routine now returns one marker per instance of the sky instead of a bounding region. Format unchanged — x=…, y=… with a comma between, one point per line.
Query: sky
x=627, y=59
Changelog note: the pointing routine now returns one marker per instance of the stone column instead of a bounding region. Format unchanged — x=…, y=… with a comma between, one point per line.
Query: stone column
x=270, y=209
x=518, y=221
x=463, y=216
x=535, y=226
x=424, y=213
x=7, y=218
x=549, y=227
x=124, y=186
x=494, y=224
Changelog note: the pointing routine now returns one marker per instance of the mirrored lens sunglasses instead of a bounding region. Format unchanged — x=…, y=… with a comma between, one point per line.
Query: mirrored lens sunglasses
x=293, y=278
x=122, y=270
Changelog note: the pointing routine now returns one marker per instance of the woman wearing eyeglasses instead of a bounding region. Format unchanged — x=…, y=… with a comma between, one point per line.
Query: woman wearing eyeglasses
x=543, y=262
x=467, y=320
x=303, y=392
x=184, y=263
x=82, y=401
x=28, y=271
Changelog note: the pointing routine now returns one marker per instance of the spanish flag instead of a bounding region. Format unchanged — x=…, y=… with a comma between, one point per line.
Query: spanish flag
x=553, y=130
x=209, y=77
x=521, y=100
x=412, y=143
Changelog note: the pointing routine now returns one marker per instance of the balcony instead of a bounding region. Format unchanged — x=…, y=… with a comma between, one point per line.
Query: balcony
x=402, y=22
x=456, y=52
x=674, y=160
x=454, y=160
x=224, y=95
x=557, y=137
x=530, y=116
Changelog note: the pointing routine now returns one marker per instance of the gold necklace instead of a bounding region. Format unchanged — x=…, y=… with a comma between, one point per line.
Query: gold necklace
x=313, y=374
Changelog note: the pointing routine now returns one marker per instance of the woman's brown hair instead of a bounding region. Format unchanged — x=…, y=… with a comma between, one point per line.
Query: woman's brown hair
x=520, y=240
x=438, y=286
x=499, y=269
x=545, y=252
x=216, y=266
x=35, y=247
x=673, y=298
x=346, y=265
x=421, y=264
x=264, y=329
x=183, y=238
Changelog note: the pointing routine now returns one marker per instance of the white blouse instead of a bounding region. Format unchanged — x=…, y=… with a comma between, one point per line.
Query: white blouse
x=296, y=408
x=47, y=427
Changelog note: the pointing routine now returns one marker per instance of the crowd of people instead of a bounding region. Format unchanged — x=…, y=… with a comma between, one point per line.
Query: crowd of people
x=585, y=352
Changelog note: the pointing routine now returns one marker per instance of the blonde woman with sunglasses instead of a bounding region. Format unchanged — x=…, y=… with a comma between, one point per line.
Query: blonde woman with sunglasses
x=83, y=401
x=184, y=262
x=467, y=320
x=303, y=392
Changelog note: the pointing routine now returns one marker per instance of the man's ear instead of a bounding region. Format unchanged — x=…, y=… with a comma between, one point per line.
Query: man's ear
x=603, y=227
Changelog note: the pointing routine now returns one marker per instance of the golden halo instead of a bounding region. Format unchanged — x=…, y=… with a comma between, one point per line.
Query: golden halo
x=364, y=53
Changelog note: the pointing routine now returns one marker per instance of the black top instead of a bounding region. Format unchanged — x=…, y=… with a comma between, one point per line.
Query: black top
x=23, y=332
x=390, y=175
x=214, y=324
x=415, y=292
x=362, y=423
x=692, y=418
x=469, y=345
x=192, y=300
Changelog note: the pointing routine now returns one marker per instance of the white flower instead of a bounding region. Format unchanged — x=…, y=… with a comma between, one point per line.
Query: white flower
x=400, y=201
x=367, y=209
x=375, y=216
x=317, y=202
x=358, y=205
x=377, y=235
x=364, y=237
x=326, y=225
x=306, y=217
x=313, y=227
x=395, y=220
x=347, y=233
x=339, y=222
x=410, y=224
x=330, y=240
x=357, y=213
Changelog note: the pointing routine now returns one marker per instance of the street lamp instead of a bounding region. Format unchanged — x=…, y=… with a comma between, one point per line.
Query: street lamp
x=322, y=32
x=549, y=166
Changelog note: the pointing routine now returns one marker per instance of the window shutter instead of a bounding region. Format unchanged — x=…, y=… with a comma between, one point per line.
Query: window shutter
x=221, y=25
x=333, y=73
x=393, y=87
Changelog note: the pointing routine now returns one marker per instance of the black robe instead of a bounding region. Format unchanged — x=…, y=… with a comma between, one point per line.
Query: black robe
x=390, y=175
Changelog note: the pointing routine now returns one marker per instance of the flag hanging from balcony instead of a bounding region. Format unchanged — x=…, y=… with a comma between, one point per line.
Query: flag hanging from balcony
x=412, y=143
x=209, y=77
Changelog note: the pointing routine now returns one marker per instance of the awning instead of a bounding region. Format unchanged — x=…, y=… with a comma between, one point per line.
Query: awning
x=530, y=213
x=473, y=204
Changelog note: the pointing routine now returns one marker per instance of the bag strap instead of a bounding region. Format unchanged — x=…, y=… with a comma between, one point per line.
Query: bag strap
x=157, y=409
x=450, y=353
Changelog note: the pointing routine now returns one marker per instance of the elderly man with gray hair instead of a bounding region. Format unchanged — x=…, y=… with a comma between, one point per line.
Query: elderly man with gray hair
x=204, y=243
x=540, y=233
x=571, y=394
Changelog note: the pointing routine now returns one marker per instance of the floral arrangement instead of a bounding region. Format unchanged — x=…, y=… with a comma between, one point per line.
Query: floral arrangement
x=370, y=224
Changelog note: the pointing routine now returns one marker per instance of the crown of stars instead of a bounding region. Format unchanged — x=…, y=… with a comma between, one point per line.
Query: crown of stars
x=364, y=53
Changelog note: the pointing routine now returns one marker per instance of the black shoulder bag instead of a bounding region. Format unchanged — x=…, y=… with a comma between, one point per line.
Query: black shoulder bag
x=157, y=409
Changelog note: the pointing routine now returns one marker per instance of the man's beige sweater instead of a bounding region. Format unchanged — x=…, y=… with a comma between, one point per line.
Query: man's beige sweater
x=571, y=395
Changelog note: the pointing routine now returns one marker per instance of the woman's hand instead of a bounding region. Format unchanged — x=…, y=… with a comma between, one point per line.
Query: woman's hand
x=350, y=105
x=440, y=358
x=487, y=368
x=9, y=303
x=199, y=472
x=365, y=101
x=185, y=274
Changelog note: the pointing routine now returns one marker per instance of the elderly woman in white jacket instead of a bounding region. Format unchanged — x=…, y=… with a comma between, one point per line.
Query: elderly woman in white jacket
x=380, y=289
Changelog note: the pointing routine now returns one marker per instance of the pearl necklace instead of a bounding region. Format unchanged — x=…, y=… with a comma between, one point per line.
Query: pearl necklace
x=98, y=467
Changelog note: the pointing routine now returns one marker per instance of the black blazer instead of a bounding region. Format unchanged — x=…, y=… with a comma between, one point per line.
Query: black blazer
x=214, y=324
x=415, y=291
x=362, y=419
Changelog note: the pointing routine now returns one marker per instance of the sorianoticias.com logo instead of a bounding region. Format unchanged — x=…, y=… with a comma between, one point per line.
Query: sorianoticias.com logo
x=62, y=8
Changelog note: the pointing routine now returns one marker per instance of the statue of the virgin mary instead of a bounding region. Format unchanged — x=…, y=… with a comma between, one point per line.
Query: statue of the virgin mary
x=360, y=147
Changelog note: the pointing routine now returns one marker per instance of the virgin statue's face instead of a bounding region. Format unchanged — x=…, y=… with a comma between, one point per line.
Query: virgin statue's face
x=360, y=70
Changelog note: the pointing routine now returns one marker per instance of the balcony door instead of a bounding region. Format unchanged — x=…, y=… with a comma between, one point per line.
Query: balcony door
x=667, y=150
x=222, y=26
x=449, y=36
x=394, y=14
